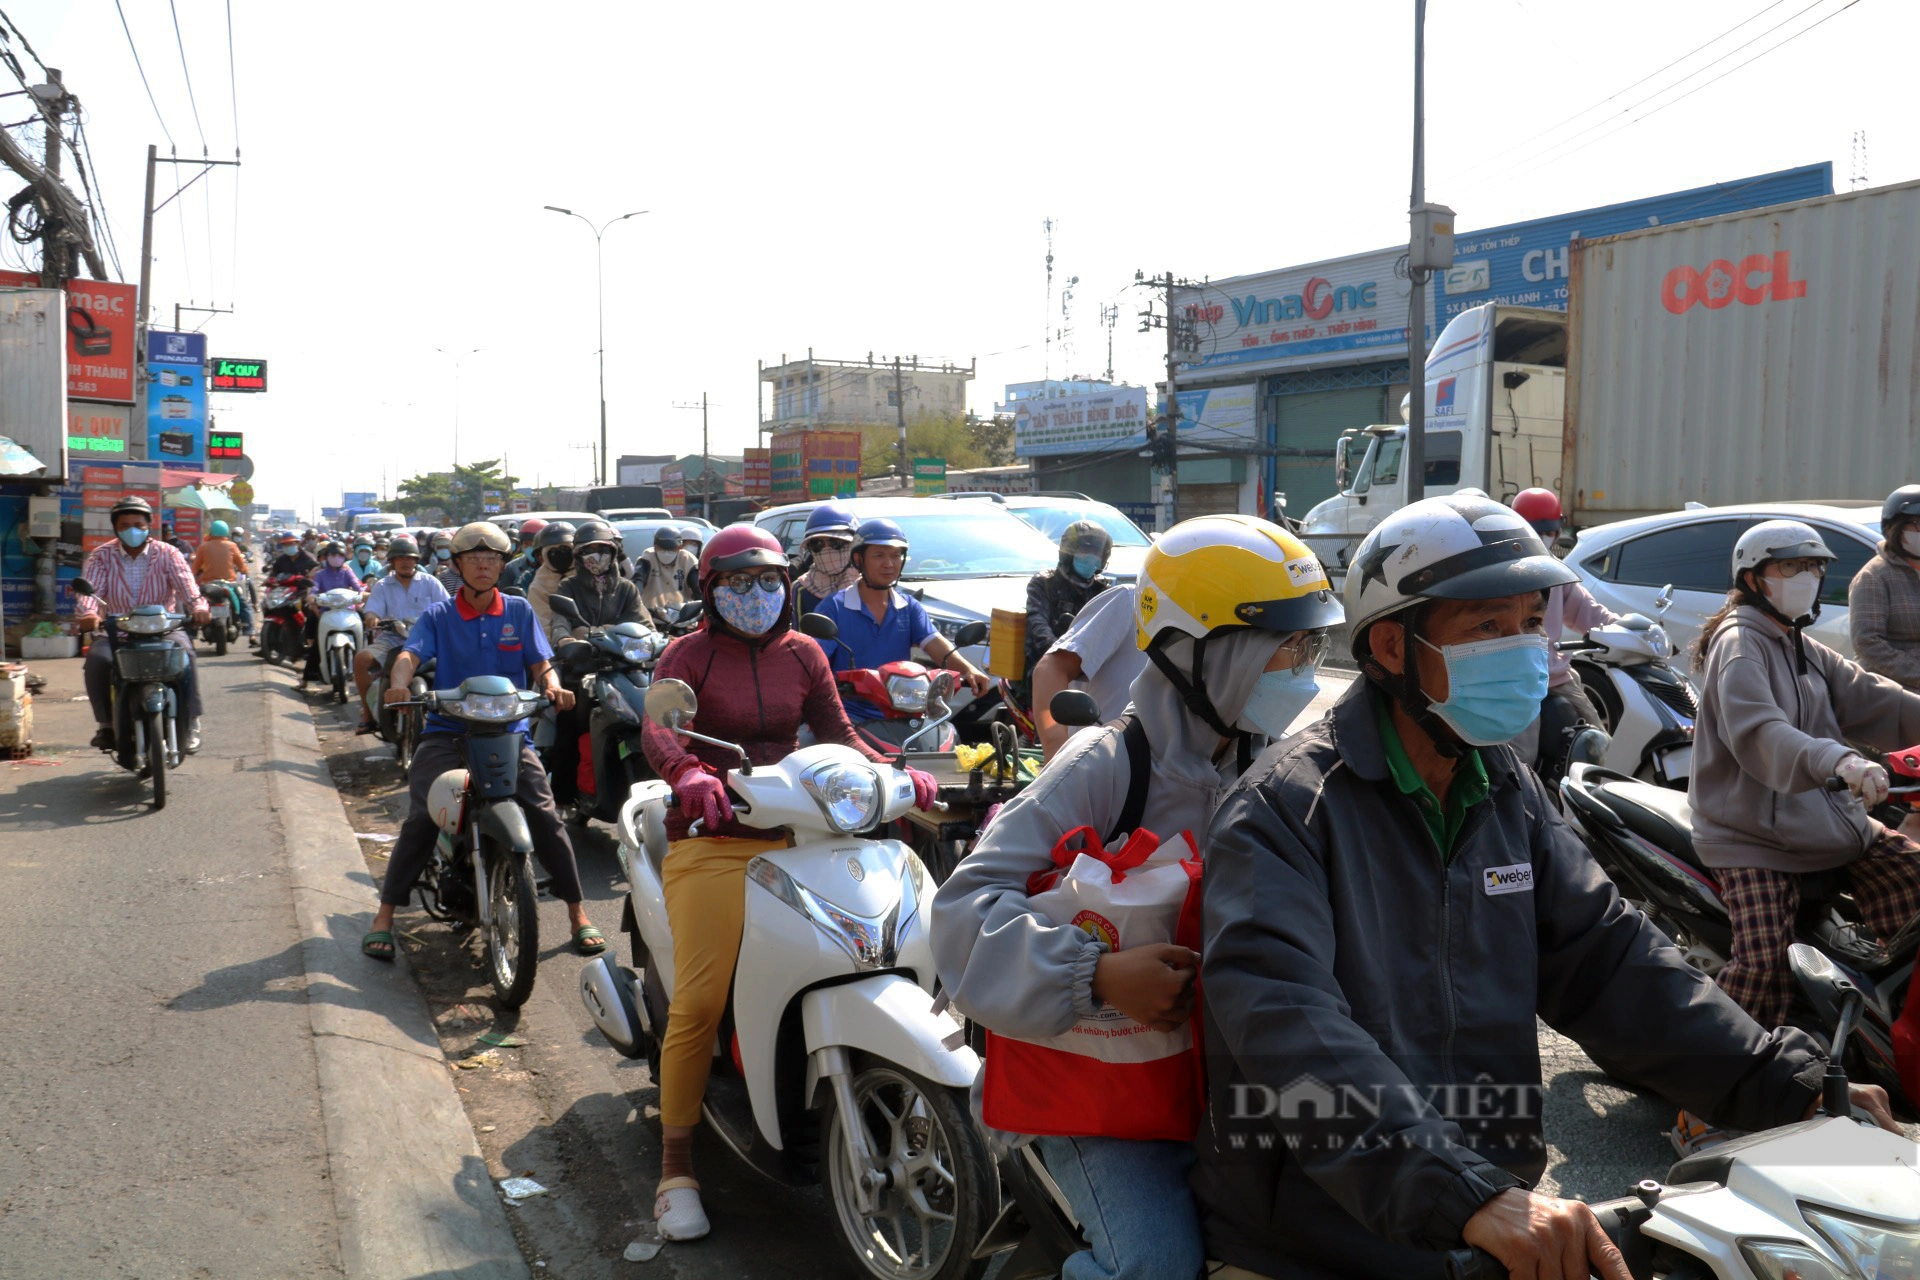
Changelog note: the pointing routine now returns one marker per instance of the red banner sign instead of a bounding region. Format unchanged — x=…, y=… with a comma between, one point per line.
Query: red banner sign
x=100, y=318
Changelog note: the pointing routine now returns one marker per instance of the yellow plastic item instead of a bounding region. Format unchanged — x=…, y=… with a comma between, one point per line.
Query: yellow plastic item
x=973, y=757
x=1007, y=644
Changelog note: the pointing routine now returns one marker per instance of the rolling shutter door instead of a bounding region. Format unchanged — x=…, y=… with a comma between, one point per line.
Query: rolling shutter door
x=1309, y=424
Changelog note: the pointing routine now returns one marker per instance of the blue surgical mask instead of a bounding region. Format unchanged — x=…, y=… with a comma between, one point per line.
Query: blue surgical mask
x=443, y=553
x=1494, y=687
x=1277, y=700
x=132, y=536
x=1086, y=566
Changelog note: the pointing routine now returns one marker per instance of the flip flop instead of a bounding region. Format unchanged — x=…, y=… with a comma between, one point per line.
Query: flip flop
x=371, y=944
x=590, y=940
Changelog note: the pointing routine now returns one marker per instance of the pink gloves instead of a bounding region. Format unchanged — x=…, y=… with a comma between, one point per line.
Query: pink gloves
x=704, y=797
x=925, y=789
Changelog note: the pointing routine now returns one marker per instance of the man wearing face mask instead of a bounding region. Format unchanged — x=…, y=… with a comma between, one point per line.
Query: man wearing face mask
x=1056, y=596
x=1232, y=613
x=1883, y=603
x=440, y=548
x=365, y=567
x=554, y=548
x=668, y=577
x=132, y=570
x=1391, y=900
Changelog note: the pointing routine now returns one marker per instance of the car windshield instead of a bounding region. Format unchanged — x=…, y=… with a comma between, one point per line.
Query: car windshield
x=1053, y=521
x=972, y=544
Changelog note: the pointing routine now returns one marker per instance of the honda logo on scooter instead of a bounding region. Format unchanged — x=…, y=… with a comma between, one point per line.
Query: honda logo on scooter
x=1758, y=278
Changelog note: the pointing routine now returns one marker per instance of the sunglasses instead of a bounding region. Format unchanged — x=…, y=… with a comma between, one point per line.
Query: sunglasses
x=828, y=544
x=740, y=584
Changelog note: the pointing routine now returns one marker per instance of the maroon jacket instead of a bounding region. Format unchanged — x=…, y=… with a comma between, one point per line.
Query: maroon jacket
x=754, y=692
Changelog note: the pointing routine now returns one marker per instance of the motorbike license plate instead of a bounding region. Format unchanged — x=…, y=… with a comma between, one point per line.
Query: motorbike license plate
x=221, y=611
x=1677, y=763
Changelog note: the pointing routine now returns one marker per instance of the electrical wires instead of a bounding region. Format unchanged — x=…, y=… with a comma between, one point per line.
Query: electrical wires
x=141, y=67
x=181, y=44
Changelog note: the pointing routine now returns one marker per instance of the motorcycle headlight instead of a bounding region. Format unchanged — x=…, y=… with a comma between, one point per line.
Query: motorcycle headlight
x=848, y=794
x=491, y=708
x=871, y=943
x=339, y=598
x=145, y=624
x=1787, y=1260
x=1877, y=1250
x=636, y=649
x=908, y=693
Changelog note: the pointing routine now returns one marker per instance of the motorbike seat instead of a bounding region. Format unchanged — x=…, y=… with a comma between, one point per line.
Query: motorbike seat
x=1658, y=814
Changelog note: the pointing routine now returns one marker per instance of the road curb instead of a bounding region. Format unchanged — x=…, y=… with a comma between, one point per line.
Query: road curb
x=411, y=1188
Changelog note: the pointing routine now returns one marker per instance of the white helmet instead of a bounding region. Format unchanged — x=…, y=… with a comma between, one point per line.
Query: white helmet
x=1777, y=540
x=447, y=800
x=1454, y=547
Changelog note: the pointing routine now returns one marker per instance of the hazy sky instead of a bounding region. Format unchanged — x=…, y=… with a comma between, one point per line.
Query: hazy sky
x=859, y=177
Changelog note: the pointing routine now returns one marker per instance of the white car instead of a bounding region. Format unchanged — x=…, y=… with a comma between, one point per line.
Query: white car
x=1051, y=513
x=1626, y=565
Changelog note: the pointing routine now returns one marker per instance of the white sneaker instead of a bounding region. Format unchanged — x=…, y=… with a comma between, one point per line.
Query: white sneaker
x=192, y=744
x=677, y=1212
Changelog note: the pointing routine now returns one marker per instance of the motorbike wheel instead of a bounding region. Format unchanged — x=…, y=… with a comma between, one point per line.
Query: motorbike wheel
x=339, y=686
x=513, y=939
x=219, y=640
x=941, y=1195
x=157, y=756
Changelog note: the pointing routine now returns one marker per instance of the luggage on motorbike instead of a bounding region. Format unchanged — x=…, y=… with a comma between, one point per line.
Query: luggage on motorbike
x=1108, y=1075
x=1007, y=644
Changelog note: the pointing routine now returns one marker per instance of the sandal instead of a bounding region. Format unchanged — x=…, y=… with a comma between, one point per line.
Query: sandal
x=378, y=944
x=365, y=727
x=590, y=940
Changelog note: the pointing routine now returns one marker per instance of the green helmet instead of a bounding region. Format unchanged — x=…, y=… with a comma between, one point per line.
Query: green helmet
x=219, y=529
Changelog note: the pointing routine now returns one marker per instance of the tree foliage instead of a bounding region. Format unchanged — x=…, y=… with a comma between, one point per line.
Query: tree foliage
x=461, y=493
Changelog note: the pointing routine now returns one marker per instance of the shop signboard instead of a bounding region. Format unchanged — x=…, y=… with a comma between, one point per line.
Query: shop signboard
x=807, y=465
x=177, y=399
x=98, y=432
x=225, y=373
x=929, y=477
x=100, y=321
x=1217, y=416
x=1100, y=422
x=758, y=468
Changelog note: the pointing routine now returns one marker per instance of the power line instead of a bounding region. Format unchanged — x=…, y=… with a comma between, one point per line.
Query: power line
x=139, y=66
x=22, y=37
x=181, y=44
x=233, y=94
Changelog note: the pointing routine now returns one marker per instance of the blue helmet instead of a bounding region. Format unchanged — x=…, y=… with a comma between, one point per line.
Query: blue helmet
x=829, y=518
x=219, y=529
x=879, y=533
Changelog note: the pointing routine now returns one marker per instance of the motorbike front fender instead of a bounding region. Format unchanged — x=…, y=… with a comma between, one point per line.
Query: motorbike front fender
x=890, y=1017
x=150, y=697
x=506, y=822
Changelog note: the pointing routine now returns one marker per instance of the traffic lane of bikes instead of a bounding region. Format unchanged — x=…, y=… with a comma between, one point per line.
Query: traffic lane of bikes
x=560, y=1107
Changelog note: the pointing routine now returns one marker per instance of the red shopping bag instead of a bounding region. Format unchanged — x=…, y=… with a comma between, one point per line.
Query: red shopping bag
x=1108, y=1076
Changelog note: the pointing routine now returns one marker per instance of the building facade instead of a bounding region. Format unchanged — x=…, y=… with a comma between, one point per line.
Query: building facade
x=814, y=392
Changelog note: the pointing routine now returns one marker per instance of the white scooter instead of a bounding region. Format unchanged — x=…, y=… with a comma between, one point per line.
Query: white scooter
x=833, y=1062
x=1831, y=1198
x=1649, y=706
x=341, y=635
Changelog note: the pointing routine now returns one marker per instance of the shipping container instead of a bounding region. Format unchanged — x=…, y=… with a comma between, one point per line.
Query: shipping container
x=33, y=376
x=807, y=465
x=1773, y=354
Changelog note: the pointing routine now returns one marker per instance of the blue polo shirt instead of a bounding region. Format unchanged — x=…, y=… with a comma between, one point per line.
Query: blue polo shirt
x=507, y=640
x=868, y=644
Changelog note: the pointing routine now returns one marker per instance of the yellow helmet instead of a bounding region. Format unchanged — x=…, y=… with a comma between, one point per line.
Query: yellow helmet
x=1214, y=572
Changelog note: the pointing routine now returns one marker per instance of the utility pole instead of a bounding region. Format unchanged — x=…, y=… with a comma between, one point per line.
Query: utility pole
x=1163, y=440
x=600, y=295
x=900, y=416
x=1416, y=459
x=706, y=462
x=54, y=272
x=148, y=209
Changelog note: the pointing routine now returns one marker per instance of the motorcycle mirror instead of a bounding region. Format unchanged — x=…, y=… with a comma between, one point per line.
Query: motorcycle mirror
x=971, y=634
x=565, y=608
x=1074, y=707
x=1664, y=601
x=513, y=591
x=819, y=626
x=671, y=703
x=691, y=610
x=81, y=587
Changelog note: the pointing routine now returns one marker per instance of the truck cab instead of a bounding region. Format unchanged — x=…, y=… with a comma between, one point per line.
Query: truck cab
x=1496, y=391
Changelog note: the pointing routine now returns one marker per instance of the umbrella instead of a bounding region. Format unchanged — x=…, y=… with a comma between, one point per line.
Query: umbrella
x=201, y=498
x=15, y=460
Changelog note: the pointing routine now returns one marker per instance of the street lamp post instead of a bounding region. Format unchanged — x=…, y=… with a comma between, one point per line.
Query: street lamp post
x=459, y=358
x=600, y=295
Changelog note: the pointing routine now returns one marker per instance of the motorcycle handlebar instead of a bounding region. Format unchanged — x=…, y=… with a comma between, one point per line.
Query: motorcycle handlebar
x=1474, y=1264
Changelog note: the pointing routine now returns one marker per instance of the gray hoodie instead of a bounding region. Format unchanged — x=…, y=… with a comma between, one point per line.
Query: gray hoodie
x=1012, y=971
x=1768, y=738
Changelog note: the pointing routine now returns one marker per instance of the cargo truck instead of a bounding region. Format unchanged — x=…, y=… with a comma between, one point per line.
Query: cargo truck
x=1769, y=355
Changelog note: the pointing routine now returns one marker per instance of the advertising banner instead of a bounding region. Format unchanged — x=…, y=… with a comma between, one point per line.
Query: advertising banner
x=1101, y=422
x=360, y=498
x=100, y=318
x=188, y=526
x=177, y=399
x=929, y=476
x=759, y=473
x=815, y=464
x=1217, y=416
x=225, y=373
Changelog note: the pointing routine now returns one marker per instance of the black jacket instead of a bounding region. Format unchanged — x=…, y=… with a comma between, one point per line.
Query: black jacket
x=292, y=563
x=1348, y=971
x=1054, y=599
x=602, y=602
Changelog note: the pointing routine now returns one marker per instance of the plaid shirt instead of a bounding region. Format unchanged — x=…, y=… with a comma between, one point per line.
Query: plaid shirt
x=1883, y=615
x=167, y=581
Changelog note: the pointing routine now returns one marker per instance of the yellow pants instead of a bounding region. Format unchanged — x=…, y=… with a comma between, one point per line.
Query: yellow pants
x=706, y=888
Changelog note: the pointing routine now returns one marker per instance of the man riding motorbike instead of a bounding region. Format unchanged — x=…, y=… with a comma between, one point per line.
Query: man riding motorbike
x=828, y=543
x=402, y=596
x=522, y=567
x=1235, y=635
x=480, y=632
x=1055, y=596
x=880, y=624
x=667, y=576
x=1391, y=900
x=603, y=599
x=334, y=574
x=1777, y=712
x=132, y=570
x=220, y=559
x=293, y=561
x=1883, y=601
x=1571, y=613
x=759, y=681
x=440, y=547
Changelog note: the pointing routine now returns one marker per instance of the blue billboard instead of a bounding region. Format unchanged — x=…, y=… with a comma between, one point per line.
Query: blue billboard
x=1525, y=263
x=177, y=399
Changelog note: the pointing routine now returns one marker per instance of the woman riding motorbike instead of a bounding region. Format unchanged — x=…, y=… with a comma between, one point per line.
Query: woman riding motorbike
x=1777, y=712
x=366, y=566
x=554, y=546
x=601, y=598
x=758, y=681
x=828, y=542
